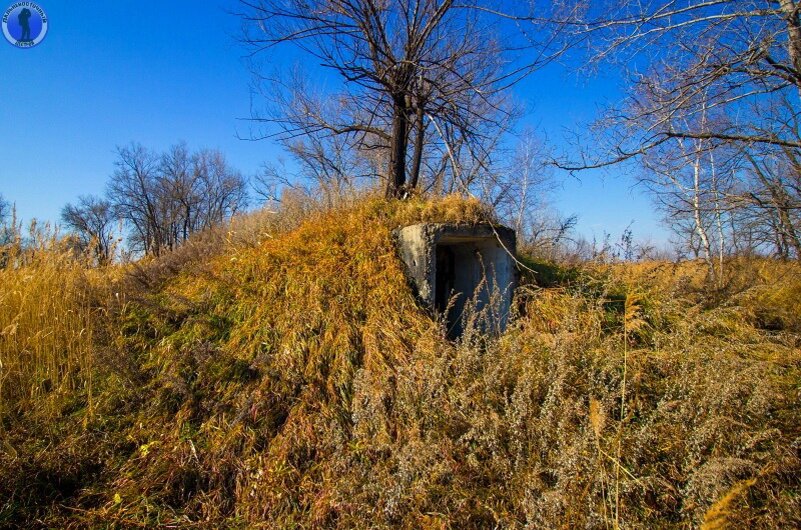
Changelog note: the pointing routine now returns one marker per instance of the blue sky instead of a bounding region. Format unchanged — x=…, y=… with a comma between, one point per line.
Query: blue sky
x=109, y=73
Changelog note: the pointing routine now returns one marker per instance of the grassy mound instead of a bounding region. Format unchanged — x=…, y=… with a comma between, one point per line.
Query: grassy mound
x=280, y=374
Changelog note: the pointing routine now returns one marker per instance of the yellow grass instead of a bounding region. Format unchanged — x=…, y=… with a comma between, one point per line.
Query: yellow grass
x=278, y=373
x=47, y=326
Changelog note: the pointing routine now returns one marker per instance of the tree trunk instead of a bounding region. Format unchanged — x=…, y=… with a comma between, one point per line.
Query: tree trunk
x=788, y=230
x=718, y=218
x=399, y=143
x=699, y=223
x=417, y=158
x=782, y=205
x=790, y=10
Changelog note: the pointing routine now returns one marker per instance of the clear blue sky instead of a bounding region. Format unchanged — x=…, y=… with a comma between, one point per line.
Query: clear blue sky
x=109, y=73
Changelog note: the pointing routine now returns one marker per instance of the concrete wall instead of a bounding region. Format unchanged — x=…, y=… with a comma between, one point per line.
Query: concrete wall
x=477, y=253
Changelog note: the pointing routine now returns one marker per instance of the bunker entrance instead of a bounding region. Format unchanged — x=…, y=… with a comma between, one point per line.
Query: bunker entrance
x=464, y=276
x=445, y=277
x=455, y=267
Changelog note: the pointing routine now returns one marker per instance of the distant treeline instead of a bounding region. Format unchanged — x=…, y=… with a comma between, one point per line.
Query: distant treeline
x=161, y=198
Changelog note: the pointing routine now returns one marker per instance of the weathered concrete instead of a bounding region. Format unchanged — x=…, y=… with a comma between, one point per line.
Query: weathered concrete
x=449, y=263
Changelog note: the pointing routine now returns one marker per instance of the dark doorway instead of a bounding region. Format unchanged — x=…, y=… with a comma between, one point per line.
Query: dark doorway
x=465, y=274
x=457, y=276
x=445, y=278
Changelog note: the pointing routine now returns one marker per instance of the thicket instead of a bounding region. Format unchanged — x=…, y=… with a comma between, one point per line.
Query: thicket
x=279, y=373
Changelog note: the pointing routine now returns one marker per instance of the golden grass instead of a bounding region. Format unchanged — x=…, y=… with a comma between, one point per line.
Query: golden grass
x=716, y=516
x=47, y=326
x=280, y=374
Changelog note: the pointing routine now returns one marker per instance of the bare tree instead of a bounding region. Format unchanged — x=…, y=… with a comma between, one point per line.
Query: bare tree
x=92, y=221
x=7, y=224
x=223, y=189
x=164, y=198
x=5, y=209
x=415, y=72
x=182, y=195
x=714, y=89
x=685, y=178
x=135, y=192
x=520, y=188
x=551, y=237
x=328, y=165
x=732, y=52
x=774, y=197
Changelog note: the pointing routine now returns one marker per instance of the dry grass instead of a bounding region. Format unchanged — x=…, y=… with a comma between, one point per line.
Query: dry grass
x=279, y=374
x=47, y=326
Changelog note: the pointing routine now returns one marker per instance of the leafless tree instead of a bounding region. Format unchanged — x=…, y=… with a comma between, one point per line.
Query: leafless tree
x=519, y=188
x=714, y=89
x=136, y=195
x=415, y=73
x=552, y=237
x=7, y=224
x=690, y=186
x=731, y=52
x=5, y=209
x=164, y=198
x=223, y=189
x=328, y=165
x=92, y=221
x=180, y=188
x=773, y=196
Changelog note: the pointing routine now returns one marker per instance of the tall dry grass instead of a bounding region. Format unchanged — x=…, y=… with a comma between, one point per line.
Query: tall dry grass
x=280, y=374
x=53, y=308
x=48, y=319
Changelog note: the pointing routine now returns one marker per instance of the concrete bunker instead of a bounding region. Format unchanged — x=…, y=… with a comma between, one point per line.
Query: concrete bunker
x=456, y=267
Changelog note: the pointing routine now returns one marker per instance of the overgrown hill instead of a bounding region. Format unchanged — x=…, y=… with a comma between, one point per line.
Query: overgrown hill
x=280, y=374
